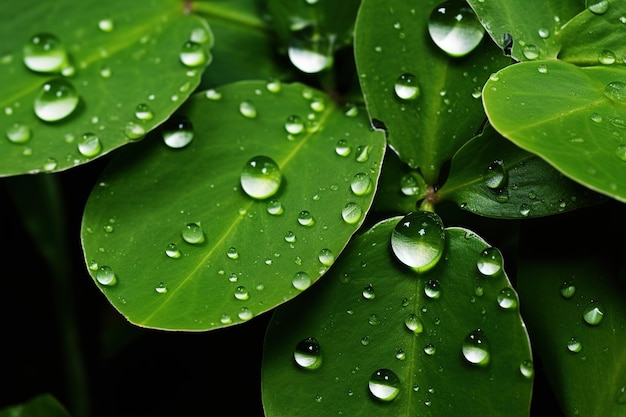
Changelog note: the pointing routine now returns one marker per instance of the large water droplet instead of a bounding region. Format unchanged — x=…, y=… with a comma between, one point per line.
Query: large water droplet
x=310, y=51
x=106, y=276
x=261, y=177
x=178, y=132
x=106, y=25
x=507, y=299
x=89, y=145
x=57, y=100
x=326, y=257
x=597, y=6
x=247, y=110
x=193, y=54
x=44, y=52
x=361, y=184
x=143, y=112
x=476, y=348
x=574, y=345
x=489, y=261
x=418, y=240
x=454, y=28
x=294, y=124
x=495, y=176
x=351, y=213
x=413, y=323
x=301, y=281
x=593, y=313
x=384, y=385
x=305, y=218
x=616, y=90
x=308, y=354
x=18, y=133
x=368, y=292
x=406, y=87
x=567, y=290
x=193, y=233
x=241, y=293
x=432, y=289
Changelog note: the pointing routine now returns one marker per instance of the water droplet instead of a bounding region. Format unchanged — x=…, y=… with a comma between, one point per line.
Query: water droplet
x=172, y=251
x=406, y=87
x=384, y=385
x=616, y=91
x=301, y=281
x=606, y=57
x=106, y=276
x=134, y=131
x=232, y=253
x=213, y=94
x=621, y=395
x=308, y=354
x=543, y=33
x=50, y=164
x=143, y=112
x=241, y=293
x=273, y=85
x=418, y=240
x=368, y=292
x=361, y=184
x=593, y=313
x=574, y=345
x=429, y=349
x=507, y=299
x=245, y=314
x=44, y=52
x=261, y=177
x=409, y=185
x=193, y=54
x=18, y=133
x=290, y=237
x=597, y=6
x=106, y=25
x=57, y=100
x=326, y=257
x=310, y=51
x=294, y=124
x=373, y=319
x=542, y=69
x=193, y=233
x=432, y=289
x=495, y=175
x=476, y=348
x=413, y=323
x=526, y=368
x=317, y=104
x=178, y=132
x=305, y=218
x=400, y=354
x=351, y=213
x=343, y=148
x=275, y=208
x=567, y=289
x=530, y=51
x=160, y=288
x=247, y=109
x=89, y=145
x=362, y=153
x=454, y=28
x=489, y=261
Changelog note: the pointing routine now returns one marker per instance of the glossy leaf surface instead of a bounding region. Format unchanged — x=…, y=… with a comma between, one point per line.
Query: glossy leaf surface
x=371, y=312
x=116, y=73
x=492, y=177
x=572, y=117
x=251, y=254
x=428, y=100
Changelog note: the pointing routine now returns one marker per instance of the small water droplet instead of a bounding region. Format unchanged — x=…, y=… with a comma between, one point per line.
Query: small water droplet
x=247, y=110
x=193, y=233
x=543, y=33
x=606, y=57
x=530, y=51
x=418, y=240
x=290, y=237
x=106, y=276
x=294, y=124
x=507, y=299
x=172, y=251
x=352, y=213
x=597, y=6
x=160, y=288
x=343, y=148
x=567, y=289
x=365, y=340
x=245, y=314
x=213, y=94
x=368, y=292
x=317, y=104
x=50, y=164
x=241, y=293
x=261, y=177
x=432, y=289
x=275, y=208
x=362, y=153
x=89, y=145
x=384, y=385
x=310, y=51
x=574, y=345
x=193, y=54
x=406, y=87
x=616, y=90
x=44, y=52
x=232, y=253
x=409, y=185
x=143, y=112
x=56, y=101
x=106, y=25
x=273, y=85
x=301, y=281
x=430, y=349
x=178, y=132
x=18, y=133
x=308, y=354
x=476, y=348
x=454, y=28
x=413, y=323
x=593, y=313
x=495, y=175
x=526, y=368
x=542, y=69
x=489, y=261
x=400, y=354
x=326, y=257
x=305, y=218
x=361, y=184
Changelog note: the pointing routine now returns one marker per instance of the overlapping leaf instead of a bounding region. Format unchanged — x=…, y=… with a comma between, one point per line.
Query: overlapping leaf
x=122, y=75
x=371, y=313
x=254, y=254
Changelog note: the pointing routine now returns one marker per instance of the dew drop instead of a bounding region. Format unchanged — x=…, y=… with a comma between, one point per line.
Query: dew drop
x=368, y=292
x=621, y=395
x=273, y=85
x=530, y=51
x=247, y=110
x=89, y=145
x=106, y=276
x=409, y=185
x=351, y=213
x=593, y=313
x=301, y=281
x=454, y=28
x=261, y=177
x=56, y=101
x=418, y=240
x=432, y=289
x=574, y=345
x=172, y=251
x=567, y=290
x=232, y=253
x=343, y=148
x=143, y=112
x=18, y=133
x=275, y=208
x=489, y=261
x=475, y=348
x=308, y=354
x=616, y=91
x=290, y=237
x=106, y=25
x=495, y=176
x=526, y=368
x=606, y=57
x=245, y=314
x=326, y=257
x=305, y=218
x=160, y=288
x=294, y=125
x=310, y=51
x=384, y=385
x=134, y=131
x=44, y=52
x=178, y=132
x=413, y=323
x=193, y=233
x=507, y=299
x=597, y=6
x=406, y=87
x=400, y=354
x=241, y=293
x=50, y=164
x=193, y=54
x=362, y=153
x=361, y=184
x=430, y=349
x=373, y=319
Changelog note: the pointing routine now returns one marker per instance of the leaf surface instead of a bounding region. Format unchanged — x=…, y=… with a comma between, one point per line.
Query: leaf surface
x=256, y=253
x=370, y=312
x=122, y=76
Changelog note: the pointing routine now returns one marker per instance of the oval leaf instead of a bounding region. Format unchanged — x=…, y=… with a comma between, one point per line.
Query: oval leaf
x=117, y=68
x=570, y=116
x=370, y=312
x=440, y=109
x=251, y=254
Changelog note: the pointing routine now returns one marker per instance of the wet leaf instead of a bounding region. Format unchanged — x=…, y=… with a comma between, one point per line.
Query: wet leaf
x=372, y=313
x=530, y=29
x=239, y=256
x=492, y=177
x=570, y=116
x=428, y=100
x=84, y=78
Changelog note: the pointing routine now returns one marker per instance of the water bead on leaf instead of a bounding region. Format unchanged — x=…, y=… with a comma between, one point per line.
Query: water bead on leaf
x=308, y=354
x=406, y=87
x=45, y=53
x=593, y=313
x=178, y=132
x=193, y=233
x=384, y=385
x=89, y=145
x=454, y=28
x=475, y=348
x=105, y=276
x=418, y=240
x=309, y=50
x=56, y=101
x=193, y=54
x=616, y=91
x=261, y=177
x=489, y=261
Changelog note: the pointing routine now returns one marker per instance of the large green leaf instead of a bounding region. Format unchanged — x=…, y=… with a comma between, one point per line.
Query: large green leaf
x=530, y=28
x=250, y=260
x=573, y=117
x=123, y=75
x=370, y=312
x=441, y=109
x=493, y=177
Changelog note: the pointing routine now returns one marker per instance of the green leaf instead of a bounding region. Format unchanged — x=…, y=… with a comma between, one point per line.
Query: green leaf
x=392, y=44
x=370, y=312
x=121, y=57
x=532, y=26
x=492, y=177
x=595, y=38
x=570, y=116
x=250, y=258
x=400, y=187
x=44, y=405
